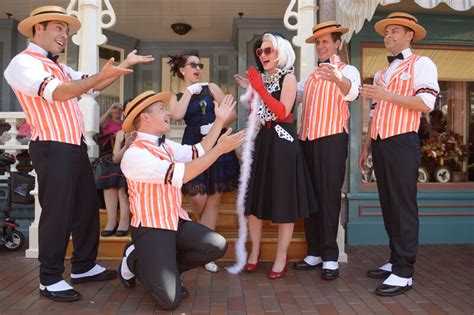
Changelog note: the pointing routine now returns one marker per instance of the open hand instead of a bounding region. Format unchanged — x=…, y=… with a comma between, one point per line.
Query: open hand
x=133, y=59
x=110, y=71
x=241, y=81
x=225, y=108
x=228, y=141
x=255, y=79
x=375, y=92
x=329, y=71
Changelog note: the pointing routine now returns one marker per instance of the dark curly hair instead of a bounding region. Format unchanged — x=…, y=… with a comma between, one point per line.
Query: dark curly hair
x=179, y=60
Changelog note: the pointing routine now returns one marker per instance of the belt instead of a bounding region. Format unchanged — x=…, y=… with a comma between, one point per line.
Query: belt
x=288, y=119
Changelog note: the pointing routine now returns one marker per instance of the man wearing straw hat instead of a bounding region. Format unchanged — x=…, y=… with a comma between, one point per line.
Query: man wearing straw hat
x=324, y=139
x=166, y=242
x=406, y=87
x=47, y=92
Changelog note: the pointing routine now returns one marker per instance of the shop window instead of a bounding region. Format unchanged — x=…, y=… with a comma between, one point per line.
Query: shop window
x=447, y=133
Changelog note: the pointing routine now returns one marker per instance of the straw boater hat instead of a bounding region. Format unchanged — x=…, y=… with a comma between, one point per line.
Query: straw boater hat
x=48, y=13
x=326, y=28
x=139, y=103
x=404, y=19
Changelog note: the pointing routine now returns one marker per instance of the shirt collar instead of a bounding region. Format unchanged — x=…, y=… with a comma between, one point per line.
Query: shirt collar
x=147, y=137
x=406, y=53
x=33, y=47
x=337, y=59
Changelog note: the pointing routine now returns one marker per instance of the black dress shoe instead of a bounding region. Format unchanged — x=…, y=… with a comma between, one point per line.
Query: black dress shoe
x=378, y=274
x=104, y=275
x=70, y=295
x=184, y=291
x=329, y=274
x=303, y=265
x=121, y=233
x=391, y=290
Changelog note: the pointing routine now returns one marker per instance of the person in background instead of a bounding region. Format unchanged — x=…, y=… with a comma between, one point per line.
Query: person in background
x=195, y=104
x=114, y=184
x=110, y=123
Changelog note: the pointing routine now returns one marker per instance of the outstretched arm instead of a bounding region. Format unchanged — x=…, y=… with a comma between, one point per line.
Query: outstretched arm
x=131, y=60
x=71, y=89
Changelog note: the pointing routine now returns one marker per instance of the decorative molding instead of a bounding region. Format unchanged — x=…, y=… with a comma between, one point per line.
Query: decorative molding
x=363, y=213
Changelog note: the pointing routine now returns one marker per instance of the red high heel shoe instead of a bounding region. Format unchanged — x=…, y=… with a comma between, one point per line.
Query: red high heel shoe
x=250, y=267
x=277, y=275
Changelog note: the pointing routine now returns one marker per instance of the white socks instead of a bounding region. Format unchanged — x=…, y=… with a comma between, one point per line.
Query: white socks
x=94, y=271
x=313, y=260
x=58, y=286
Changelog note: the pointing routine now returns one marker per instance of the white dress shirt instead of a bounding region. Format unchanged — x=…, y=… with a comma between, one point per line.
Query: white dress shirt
x=26, y=73
x=425, y=76
x=142, y=166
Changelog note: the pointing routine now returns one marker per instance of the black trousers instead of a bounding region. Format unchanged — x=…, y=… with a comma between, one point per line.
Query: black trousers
x=396, y=161
x=68, y=199
x=326, y=161
x=160, y=256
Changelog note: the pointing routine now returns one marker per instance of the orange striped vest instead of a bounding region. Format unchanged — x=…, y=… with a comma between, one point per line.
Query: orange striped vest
x=391, y=119
x=155, y=205
x=56, y=121
x=325, y=112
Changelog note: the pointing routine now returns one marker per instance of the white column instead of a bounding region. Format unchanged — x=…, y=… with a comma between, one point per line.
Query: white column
x=306, y=18
x=89, y=37
x=32, y=251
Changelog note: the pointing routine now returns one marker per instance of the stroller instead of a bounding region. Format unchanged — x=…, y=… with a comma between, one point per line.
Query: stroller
x=10, y=237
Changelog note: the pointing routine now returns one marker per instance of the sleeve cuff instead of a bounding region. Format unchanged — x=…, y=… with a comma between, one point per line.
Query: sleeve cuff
x=178, y=174
x=353, y=91
x=47, y=90
x=200, y=150
x=372, y=110
x=428, y=99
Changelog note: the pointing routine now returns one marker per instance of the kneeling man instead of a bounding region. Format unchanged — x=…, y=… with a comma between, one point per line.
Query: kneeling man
x=165, y=241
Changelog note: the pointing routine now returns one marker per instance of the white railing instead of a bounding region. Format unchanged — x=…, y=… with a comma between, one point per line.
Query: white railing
x=10, y=144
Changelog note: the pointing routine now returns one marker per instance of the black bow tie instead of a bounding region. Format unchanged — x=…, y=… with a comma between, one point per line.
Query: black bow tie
x=52, y=58
x=161, y=140
x=392, y=58
x=325, y=61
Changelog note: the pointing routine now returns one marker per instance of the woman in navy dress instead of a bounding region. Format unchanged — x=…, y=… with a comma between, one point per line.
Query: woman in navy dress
x=195, y=104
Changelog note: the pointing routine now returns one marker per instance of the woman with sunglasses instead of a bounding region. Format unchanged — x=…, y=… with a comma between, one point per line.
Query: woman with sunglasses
x=195, y=104
x=277, y=186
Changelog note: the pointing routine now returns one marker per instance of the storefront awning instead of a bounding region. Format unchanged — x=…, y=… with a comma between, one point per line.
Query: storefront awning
x=353, y=13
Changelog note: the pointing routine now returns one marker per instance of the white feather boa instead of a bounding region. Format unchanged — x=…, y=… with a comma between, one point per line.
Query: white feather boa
x=247, y=158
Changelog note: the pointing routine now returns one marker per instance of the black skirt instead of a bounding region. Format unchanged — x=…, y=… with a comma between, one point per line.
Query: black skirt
x=279, y=187
x=111, y=175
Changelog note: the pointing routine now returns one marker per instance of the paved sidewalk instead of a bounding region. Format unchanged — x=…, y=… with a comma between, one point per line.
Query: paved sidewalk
x=444, y=284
